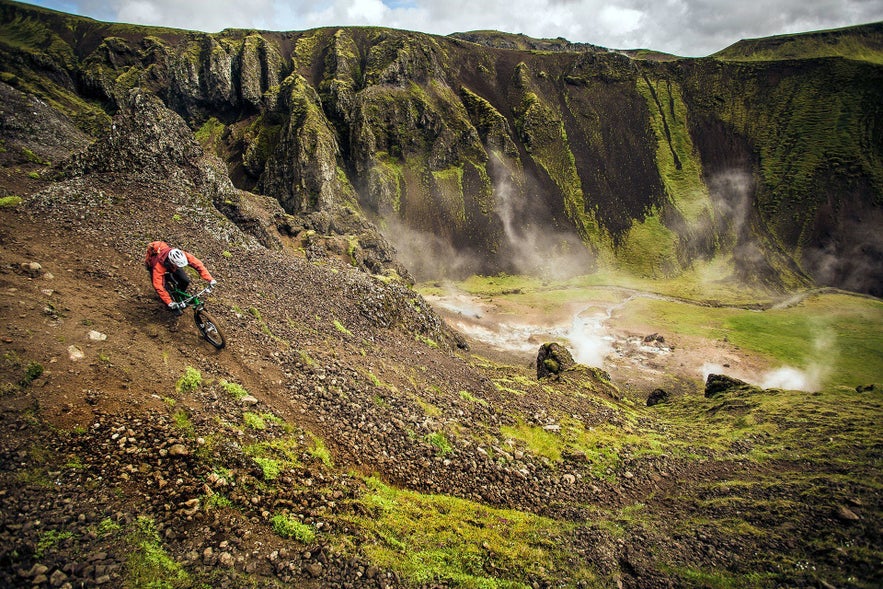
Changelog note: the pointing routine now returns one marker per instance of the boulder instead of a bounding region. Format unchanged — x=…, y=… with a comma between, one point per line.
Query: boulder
x=716, y=384
x=656, y=397
x=552, y=360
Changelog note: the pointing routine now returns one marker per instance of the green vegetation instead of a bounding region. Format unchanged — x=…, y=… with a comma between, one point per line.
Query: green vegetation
x=48, y=540
x=10, y=201
x=183, y=423
x=269, y=467
x=440, y=539
x=210, y=134
x=859, y=43
x=287, y=526
x=836, y=336
x=235, y=390
x=426, y=341
x=339, y=327
x=189, y=381
x=320, y=451
x=33, y=371
x=254, y=421
x=148, y=564
x=441, y=443
x=275, y=455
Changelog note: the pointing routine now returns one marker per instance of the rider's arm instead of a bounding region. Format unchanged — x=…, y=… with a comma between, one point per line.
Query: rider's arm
x=157, y=276
x=198, y=266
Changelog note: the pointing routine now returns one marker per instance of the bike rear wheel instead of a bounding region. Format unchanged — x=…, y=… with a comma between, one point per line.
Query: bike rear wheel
x=209, y=329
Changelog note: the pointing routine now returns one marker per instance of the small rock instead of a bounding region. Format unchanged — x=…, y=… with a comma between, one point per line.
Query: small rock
x=97, y=336
x=179, y=450
x=226, y=559
x=36, y=570
x=315, y=569
x=248, y=400
x=75, y=353
x=846, y=514
x=57, y=579
x=569, y=479
x=31, y=268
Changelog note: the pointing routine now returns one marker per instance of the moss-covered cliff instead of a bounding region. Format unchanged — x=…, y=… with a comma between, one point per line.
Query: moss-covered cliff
x=512, y=151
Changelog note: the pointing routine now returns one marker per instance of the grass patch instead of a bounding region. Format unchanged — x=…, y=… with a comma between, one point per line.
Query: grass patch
x=148, y=565
x=183, y=423
x=339, y=327
x=467, y=396
x=287, y=526
x=320, y=451
x=437, y=539
x=235, y=390
x=442, y=446
x=49, y=540
x=254, y=421
x=190, y=381
x=10, y=201
x=275, y=456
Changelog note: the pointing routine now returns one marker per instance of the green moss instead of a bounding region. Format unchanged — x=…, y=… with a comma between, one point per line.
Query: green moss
x=676, y=158
x=449, y=186
x=320, y=451
x=183, y=423
x=432, y=539
x=189, y=381
x=254, y=421
x=49, y=540
x=237, y=391
x=440, y=442
x=148, y=565
x=542, y=132
x=650, y=249
x=33, y=371
x=209, y=134
x=339, y=327
x=270, y=468
x=287, y=526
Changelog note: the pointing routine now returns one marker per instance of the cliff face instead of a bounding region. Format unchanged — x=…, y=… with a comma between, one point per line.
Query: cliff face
x=507, y=157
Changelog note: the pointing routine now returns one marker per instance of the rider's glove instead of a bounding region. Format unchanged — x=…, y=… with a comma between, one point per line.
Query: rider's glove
x=213, y=283
x=175, y=306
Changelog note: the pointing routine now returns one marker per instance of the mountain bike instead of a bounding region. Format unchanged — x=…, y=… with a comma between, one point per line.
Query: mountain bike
x=205, y=323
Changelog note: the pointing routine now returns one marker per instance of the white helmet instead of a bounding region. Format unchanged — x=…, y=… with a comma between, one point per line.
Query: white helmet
x=178, y=258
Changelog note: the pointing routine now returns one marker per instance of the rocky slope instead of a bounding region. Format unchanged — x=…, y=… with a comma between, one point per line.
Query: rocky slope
x=512, y=154
x=344, y=437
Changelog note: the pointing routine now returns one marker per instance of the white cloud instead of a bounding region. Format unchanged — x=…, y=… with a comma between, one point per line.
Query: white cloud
x=684, y=27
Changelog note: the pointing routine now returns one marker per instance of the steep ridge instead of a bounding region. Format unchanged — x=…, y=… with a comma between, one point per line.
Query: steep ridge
x=599, y=157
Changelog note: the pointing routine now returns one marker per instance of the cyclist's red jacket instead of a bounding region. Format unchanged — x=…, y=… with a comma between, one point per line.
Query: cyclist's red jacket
x=157, y=254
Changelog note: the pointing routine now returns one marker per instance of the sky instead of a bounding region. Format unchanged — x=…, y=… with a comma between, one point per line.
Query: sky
x=690, y=28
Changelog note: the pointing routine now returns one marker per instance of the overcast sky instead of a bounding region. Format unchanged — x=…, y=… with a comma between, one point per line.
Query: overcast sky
x=682, y=27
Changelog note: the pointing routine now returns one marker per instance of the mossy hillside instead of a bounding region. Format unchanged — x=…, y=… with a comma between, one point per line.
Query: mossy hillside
x=811, y=131
x=25, y=34
x=432, y=538
x=29, y=47
x=541, y=130
x=302, y=171
x=608, y=123
x=861, y=43
x=688, y=207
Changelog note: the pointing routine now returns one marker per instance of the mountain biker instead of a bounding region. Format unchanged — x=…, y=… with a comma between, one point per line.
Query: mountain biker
x=166, y=264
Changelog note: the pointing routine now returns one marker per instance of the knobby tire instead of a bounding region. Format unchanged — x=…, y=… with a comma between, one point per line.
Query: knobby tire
x=209, y=329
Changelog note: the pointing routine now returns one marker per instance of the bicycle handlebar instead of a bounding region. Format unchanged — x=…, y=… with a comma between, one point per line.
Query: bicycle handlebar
x=190, y=298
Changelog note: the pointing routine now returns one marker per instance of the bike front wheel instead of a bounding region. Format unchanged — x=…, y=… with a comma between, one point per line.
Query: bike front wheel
x=209, y=329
